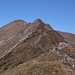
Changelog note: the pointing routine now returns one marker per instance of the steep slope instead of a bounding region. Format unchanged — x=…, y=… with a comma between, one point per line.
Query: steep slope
x=11, y=29
x=9, y=35
x=35, y=49
x=34, y=39
x=51, y=63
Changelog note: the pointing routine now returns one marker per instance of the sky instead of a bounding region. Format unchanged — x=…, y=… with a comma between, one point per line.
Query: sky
x=60, y=14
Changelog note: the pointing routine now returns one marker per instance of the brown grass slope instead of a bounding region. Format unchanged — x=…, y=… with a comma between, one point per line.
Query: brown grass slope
x=33, y=50
x=11, y=29
x=34, y=39
x=42, y=65
x=69, y=37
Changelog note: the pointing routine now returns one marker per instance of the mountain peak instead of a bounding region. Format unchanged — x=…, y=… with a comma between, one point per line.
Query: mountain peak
x=29, y=48
x=18, y=21
x=38, y=21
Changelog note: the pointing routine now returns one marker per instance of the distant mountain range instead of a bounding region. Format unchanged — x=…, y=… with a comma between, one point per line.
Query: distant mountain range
x=36, y=49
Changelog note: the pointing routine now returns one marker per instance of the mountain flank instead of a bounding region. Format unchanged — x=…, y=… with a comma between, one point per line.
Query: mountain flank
x=36, y=49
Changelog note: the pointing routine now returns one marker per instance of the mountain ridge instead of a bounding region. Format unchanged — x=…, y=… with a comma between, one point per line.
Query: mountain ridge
x=35, y=42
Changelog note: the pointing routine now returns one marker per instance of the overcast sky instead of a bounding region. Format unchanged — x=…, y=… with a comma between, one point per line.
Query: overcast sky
x=60, y=14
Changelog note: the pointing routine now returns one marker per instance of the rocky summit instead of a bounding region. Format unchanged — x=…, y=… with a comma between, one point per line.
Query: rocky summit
x=36, y=49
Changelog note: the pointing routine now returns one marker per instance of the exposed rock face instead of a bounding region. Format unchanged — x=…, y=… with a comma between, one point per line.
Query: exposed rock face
x=62, y=45
x=33, y=44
